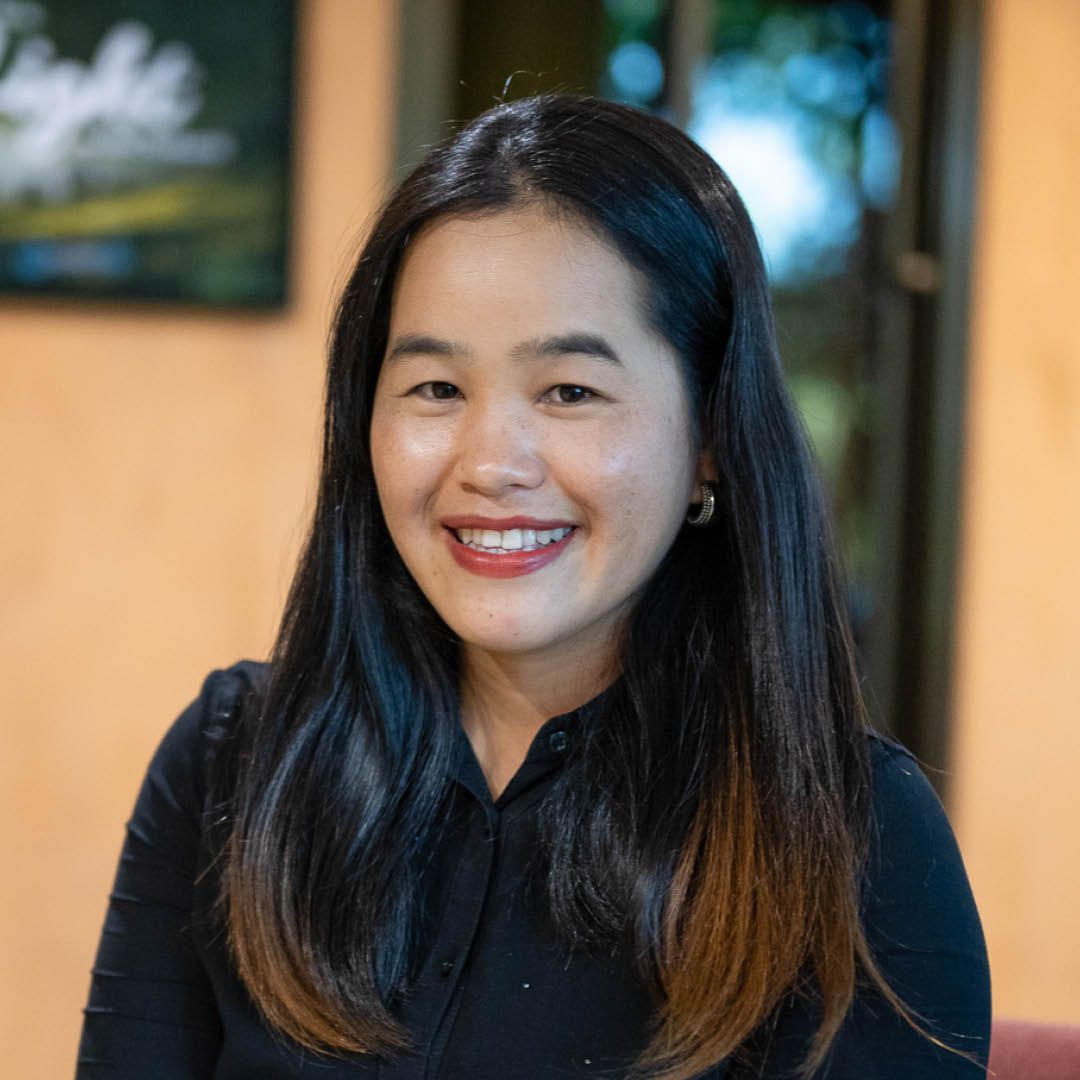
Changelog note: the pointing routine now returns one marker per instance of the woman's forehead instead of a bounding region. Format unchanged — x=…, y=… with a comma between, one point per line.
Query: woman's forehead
x=524, y=261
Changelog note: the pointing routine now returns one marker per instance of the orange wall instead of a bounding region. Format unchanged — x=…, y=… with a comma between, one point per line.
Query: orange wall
x=1016, y=799
x=155, y=469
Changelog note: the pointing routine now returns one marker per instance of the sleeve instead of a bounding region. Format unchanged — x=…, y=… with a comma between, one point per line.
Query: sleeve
x=924, y=932
x=151, y=1009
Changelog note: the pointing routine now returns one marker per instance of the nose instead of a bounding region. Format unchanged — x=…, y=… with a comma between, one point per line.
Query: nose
x=498, y=451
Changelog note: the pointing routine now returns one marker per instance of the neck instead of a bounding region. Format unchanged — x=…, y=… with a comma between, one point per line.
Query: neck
x=507, y=697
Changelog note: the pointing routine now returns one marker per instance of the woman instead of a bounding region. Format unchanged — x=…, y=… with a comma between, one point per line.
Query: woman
x=560, y=765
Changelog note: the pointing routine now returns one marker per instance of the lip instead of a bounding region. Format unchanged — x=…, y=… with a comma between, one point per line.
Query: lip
x=513, y=563
x=472, y=521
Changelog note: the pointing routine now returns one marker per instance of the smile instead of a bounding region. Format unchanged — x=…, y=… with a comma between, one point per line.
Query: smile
x=499, y=543
x=509, y=552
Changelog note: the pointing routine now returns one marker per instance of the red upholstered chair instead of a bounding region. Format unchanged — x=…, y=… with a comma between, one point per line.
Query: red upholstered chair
x=1025, y=1050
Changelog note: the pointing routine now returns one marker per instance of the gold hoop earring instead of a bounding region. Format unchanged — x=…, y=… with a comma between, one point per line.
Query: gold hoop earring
x=704, y=513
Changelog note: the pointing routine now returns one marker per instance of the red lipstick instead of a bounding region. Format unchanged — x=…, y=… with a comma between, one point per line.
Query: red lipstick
x=473, y=521
x=513, y=563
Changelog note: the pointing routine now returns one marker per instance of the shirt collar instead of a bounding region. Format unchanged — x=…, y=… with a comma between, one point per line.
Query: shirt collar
x=549, y=749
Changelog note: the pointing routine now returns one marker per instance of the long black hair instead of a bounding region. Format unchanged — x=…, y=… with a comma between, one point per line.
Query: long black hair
x=715, y=813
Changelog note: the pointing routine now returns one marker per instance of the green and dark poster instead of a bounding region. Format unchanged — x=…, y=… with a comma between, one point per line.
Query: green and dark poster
x=144, y=149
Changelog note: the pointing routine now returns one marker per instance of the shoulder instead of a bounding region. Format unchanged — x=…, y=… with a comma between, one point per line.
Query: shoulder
x=908, y=817
x=897, y=778
x=227, y=695
x=917, y=897
x=189, y=751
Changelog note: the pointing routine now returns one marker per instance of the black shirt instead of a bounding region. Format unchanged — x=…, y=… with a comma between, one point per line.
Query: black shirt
x=496, y=997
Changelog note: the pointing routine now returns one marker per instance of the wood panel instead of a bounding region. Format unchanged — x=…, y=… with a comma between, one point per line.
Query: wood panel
x=1016, y=798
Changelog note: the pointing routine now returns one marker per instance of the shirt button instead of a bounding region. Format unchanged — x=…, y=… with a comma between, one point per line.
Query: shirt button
x=558, y=741
x=445, y=968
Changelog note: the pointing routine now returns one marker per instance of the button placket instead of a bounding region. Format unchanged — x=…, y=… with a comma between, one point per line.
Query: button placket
x=431, y=1005
x=481, y=845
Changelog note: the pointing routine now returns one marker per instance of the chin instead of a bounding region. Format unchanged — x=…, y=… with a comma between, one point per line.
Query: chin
x=494, y=641
x=503, y=635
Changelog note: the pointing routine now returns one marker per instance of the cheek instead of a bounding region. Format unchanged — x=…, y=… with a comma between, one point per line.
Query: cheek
x=637, y=482
x=385, y=463
x=407, y=459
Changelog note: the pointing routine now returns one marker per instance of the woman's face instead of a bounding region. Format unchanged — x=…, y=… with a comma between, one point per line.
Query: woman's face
x=531, y=437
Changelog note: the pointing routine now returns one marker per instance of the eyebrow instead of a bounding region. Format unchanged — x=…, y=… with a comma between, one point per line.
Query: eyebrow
x=575, y=343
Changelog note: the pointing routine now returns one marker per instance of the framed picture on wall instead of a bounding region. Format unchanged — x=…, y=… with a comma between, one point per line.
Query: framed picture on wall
x=145, y=149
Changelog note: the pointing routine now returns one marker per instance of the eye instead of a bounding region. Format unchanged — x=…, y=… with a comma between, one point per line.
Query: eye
x=570, y=394
x=435, y=391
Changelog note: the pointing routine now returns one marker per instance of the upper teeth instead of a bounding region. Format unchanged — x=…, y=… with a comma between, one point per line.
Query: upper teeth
x=510, y=539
